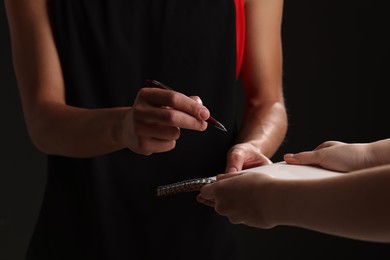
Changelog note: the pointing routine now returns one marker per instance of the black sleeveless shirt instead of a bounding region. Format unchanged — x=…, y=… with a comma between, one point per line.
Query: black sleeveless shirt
x=106, y=207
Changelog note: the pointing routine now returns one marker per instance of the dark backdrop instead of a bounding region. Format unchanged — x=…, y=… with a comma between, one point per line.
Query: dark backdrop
x=335, y=74
x=21, y=165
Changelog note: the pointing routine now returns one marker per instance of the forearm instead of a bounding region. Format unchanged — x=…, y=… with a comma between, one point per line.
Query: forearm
x=379, y=152
x=75, y=132
x=355, y=205
x=264, y=121
x=264, y=126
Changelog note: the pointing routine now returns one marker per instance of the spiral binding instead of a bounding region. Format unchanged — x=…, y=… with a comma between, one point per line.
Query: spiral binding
x=184, y=186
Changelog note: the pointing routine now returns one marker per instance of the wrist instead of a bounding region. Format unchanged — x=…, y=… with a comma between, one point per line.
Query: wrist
x=285, y=208
x=378, y=153
x=276, y=202
x=120, y=128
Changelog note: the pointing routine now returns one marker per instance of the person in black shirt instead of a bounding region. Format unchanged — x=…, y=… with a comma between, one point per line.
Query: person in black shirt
x=110, y=140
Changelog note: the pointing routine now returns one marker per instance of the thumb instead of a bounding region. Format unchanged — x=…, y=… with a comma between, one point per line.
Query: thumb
x=235, y=161
x=302, y=158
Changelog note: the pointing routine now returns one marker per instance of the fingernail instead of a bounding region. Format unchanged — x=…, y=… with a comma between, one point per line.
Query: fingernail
x=290, y=158
x=204, y=113
x=203, y=126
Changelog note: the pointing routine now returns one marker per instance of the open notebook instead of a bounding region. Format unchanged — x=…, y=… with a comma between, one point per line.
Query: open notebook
x=277, y=170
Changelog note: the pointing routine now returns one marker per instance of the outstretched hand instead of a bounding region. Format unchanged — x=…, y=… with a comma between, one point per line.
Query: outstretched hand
x=333, y=155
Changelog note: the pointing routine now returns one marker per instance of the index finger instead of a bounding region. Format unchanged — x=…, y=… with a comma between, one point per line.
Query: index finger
x=176, y=100
x=223, y=176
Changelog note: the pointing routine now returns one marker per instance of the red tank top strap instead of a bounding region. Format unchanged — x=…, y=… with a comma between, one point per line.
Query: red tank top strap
x=240, y=33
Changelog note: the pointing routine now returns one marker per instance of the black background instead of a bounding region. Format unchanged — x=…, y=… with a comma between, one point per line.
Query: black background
x=336, y=71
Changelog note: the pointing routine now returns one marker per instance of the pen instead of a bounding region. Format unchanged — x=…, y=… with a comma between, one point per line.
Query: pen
x=211, y=120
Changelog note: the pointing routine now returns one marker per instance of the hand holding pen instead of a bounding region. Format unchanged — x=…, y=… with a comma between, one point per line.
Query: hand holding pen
x=154, y=121
x=157, y=84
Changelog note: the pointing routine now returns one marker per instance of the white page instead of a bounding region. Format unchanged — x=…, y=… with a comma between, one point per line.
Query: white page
x=288, y=171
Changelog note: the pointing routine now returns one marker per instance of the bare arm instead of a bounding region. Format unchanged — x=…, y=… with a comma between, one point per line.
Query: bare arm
x=264, y=121
x=57, y=128
x=355, y=205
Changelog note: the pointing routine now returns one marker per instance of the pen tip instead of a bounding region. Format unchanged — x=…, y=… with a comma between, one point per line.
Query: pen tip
x=221, y=127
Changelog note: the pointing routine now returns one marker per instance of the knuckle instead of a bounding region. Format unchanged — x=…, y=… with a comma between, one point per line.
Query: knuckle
x=220, y=210
x=237, y=154
x=138, y=111
x=170, y=117
x=194, y=107
x=143, y=92
x=173, y=98
x=234, y=220
x=197, y=99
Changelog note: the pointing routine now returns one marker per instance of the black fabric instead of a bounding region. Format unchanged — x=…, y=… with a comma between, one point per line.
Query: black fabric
x=106, y=207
